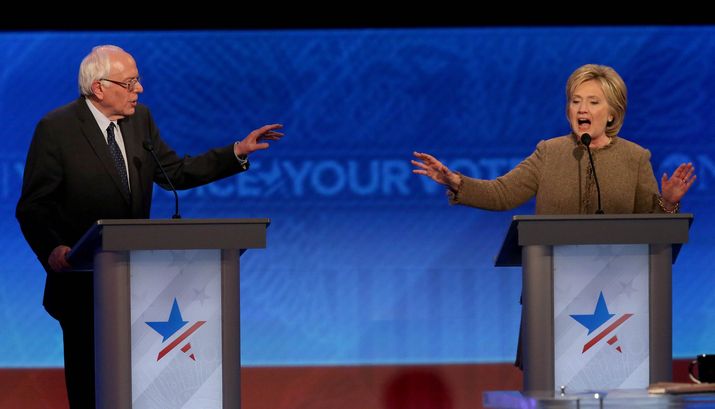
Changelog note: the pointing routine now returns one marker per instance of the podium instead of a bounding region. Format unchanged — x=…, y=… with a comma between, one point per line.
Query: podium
x=167, y=312
x=596, y=298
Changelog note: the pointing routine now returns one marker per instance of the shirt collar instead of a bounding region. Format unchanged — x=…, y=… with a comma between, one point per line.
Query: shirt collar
x=102, y=120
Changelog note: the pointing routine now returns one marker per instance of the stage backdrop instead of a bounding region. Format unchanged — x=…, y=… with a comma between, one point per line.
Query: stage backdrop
x=367, y=263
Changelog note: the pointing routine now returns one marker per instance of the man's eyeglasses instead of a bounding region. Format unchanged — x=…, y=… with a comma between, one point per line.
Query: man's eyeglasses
x=129, y=85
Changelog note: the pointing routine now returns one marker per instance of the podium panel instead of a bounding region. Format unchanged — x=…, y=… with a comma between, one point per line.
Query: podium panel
x=176, y=328
x=601, y=316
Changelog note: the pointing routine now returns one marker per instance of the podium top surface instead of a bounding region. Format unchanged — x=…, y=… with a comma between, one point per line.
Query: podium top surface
x=550, y=230
x=179, y=222
x=168, y=234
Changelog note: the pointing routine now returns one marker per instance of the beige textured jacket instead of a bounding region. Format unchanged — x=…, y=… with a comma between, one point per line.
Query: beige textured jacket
x=558, y=173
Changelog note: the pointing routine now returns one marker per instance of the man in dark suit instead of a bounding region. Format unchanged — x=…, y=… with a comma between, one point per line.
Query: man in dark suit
x=87, y=162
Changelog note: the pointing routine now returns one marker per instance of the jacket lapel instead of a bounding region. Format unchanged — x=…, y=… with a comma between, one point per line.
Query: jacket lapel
x=133, y=147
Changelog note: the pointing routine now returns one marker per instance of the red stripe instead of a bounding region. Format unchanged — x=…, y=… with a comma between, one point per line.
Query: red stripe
x=610, y=341
x=178, y=340
x=605, y=332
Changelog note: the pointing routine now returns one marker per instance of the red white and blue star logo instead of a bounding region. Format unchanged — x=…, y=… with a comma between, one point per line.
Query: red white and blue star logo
x=599, y=317
x=170, y=327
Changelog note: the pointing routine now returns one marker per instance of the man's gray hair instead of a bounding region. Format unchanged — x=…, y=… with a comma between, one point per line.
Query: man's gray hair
x=94, y=66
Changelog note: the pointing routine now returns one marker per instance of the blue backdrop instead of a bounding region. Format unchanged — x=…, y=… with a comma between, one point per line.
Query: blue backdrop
x=367, y=263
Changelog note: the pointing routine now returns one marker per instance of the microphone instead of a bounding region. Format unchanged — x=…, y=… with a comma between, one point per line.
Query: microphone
x=148, y=145
x=586, y=140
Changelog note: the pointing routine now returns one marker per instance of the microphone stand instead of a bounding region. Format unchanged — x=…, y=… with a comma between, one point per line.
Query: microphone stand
x=586, y=141
x=150, y=147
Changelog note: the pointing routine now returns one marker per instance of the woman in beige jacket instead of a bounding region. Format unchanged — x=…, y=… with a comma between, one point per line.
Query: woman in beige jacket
x=559, y=172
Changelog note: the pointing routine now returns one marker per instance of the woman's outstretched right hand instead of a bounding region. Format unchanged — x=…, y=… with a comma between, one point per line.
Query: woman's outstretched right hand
x=429, y=166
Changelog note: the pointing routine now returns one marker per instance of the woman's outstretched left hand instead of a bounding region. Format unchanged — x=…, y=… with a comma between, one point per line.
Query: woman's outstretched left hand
x=673, y=188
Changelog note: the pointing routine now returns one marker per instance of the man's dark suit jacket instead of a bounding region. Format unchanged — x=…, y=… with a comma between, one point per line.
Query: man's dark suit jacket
x=70, y=182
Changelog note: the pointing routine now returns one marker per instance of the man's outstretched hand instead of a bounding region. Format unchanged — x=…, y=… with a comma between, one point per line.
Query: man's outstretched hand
x=256, y=140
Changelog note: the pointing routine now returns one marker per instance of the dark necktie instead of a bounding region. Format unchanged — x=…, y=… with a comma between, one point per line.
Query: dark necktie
x=117, y=157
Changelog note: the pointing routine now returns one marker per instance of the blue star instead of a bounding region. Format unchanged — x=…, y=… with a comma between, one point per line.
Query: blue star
x=595, y=320
x=168, y=328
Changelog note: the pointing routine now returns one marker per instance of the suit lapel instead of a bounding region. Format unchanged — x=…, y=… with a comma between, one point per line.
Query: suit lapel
x=95, y=137
x=132, y=145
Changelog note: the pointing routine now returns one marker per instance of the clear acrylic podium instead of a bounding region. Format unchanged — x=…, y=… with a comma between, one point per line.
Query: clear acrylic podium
x=167, y=312
x=618, y=399
x=596, y=298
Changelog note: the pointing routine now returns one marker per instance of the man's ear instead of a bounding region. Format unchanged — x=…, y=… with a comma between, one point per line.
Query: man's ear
x=98, y=90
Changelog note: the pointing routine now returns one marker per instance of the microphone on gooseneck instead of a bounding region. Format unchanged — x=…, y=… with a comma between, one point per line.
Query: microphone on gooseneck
x=148, y=145
x=586, y=140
